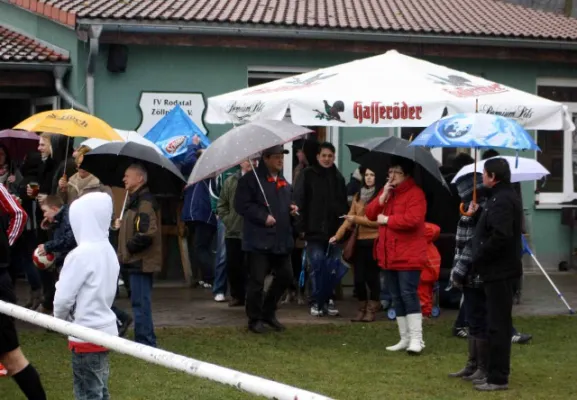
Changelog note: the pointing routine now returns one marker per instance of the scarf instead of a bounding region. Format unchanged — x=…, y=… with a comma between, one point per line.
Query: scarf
x=366, y=194
x=280, y=181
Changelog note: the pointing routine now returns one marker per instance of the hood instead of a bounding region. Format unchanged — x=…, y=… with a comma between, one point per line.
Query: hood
x=90, y=217
x=59, y=144
x=432, y=232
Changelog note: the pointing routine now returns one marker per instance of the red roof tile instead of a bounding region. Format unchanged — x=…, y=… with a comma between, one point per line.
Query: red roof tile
x=435, y=17
x=15, y=47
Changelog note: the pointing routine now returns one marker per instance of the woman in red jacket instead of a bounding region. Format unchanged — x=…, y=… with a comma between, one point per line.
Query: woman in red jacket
x=401, y=248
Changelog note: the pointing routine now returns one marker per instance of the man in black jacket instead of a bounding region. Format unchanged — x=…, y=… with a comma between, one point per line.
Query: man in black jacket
x=264, y=201
x=497, y=253
x=321, y=195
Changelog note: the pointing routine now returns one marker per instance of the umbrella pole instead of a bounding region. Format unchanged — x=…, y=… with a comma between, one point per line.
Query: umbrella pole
x=123, y=206
x=66, y=157
x=262, y=191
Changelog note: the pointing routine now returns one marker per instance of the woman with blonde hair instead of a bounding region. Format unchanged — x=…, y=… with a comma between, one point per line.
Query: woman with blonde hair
x=81, y=182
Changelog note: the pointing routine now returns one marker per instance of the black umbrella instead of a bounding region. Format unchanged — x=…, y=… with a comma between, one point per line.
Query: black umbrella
x=375, y=153
x=108, y=162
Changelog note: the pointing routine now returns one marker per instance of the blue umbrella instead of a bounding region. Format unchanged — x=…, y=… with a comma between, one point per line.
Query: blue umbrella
x=334, y=270
x=476, y=130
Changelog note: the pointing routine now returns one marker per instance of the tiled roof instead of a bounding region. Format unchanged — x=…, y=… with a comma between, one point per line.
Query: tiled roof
x=435, y=17
x=15, y=47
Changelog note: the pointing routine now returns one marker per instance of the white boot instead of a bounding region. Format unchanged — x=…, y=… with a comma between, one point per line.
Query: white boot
x=416, y=344
x=404, y=333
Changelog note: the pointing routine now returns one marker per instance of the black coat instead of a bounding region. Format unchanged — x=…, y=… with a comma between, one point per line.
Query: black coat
x=497, y=248
x=321, y=195
x=251, y=205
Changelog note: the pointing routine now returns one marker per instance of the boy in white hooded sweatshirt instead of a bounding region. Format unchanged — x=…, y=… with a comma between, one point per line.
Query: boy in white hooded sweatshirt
x=86, y=290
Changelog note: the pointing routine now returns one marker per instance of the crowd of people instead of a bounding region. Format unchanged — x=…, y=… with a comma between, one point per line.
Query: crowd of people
x=243, y=226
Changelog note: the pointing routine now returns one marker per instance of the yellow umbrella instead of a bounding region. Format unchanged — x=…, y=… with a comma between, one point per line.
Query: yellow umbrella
x=69, y=123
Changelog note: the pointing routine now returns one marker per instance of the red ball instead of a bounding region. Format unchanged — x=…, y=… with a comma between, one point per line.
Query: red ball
x=43, y=262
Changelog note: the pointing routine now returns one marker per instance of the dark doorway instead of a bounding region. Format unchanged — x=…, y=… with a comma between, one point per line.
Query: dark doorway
x=13, y=112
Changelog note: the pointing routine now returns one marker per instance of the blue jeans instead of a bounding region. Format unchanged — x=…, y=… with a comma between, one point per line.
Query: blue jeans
x=317, y=258
x=91, y=371
x=403, y=288
x=141, y=299
x=385, y=294
x=220, y=277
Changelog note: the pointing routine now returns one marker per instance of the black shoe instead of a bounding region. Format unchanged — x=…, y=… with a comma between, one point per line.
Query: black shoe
x=256, y=327
x=123, y=325
x=275, y=324
x=235, y=303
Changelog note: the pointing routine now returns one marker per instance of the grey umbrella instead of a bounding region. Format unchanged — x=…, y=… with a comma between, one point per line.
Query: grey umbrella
x=374, y=153
x=242, y=143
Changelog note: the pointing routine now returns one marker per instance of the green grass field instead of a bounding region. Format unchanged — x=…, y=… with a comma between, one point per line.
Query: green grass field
x=341, y=361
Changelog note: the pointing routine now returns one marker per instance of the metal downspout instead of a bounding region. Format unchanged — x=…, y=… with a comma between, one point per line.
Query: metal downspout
x=94, y=33
x=59, y=73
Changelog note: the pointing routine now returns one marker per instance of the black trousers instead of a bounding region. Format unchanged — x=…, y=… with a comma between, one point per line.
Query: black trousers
x=200, y=247
x=475, y=308
x=49, y=277
x=260, y=265
x=500, y=323
x=366, y=272
x=236, y=268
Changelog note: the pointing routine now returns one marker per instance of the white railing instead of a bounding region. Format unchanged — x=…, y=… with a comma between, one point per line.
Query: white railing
x=239, y=380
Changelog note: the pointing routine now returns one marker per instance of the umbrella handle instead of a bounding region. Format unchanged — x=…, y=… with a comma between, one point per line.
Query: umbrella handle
x=465, y=213
x=462, y=206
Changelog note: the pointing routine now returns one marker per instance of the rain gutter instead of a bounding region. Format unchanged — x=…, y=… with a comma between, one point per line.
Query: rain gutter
x=260, y=30
x=94, y=32
x=59, y=73
x=32, y=66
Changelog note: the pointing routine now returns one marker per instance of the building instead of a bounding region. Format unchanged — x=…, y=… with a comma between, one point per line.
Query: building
x=129, y=62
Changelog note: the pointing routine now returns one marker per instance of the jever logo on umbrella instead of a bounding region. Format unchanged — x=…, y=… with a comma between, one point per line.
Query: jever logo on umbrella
x=175, y=144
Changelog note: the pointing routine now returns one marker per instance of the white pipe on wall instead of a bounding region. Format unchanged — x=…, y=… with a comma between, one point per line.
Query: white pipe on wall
x=239, y=380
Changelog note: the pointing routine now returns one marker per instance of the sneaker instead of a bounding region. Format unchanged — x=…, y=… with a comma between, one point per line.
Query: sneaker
x=206, y=285
x=124, y=325
x=521, y=338
x=332, y=309
x=316, y=311
x=219, y=298
x=461, y=332
x=3, y=371
x=120, y=282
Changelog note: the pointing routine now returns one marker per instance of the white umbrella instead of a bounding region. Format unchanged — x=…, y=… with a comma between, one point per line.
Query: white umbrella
x=388, y=90
x=127, y=136
x=527, y=169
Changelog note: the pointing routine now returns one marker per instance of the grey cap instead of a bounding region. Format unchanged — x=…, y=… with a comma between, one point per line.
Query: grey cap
x=279, y=149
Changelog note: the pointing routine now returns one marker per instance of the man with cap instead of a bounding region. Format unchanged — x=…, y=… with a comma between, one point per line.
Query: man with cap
x=264, y=201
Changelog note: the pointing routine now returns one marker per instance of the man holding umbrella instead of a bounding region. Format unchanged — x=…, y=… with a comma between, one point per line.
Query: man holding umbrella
x=263, y=199
x=139, y=249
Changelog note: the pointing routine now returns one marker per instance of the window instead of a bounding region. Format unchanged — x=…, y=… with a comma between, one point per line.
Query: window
x=558, y=148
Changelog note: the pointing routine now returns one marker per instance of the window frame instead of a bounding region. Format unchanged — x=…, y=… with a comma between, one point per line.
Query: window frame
x=568, y=193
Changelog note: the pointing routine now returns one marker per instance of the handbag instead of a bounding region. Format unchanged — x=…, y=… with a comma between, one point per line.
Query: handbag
x=349, y=245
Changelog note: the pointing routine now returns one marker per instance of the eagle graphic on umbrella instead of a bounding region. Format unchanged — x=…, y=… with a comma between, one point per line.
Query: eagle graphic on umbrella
x=331, y=113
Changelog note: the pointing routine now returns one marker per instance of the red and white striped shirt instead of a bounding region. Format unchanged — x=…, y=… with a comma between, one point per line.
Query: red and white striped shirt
x=18, y=218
